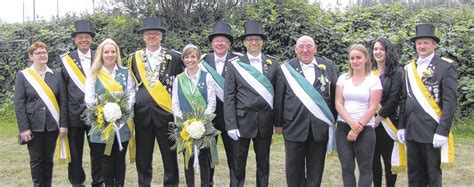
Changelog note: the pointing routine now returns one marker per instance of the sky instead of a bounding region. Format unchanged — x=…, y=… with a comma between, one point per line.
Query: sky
x=17, y=11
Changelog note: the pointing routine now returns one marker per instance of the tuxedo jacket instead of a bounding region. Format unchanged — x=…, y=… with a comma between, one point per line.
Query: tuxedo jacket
x=31, y=112
x=392, y=90
x=244, y=108
x=420, y=126
x=75, y=97
x=290, y=112
x=219, y=121
x=145, y=108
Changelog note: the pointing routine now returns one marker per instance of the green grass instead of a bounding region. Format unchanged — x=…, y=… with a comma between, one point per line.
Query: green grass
x=15, y=171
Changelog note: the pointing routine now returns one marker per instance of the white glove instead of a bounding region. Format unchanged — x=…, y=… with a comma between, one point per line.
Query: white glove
x=401, y=135
x=234, y=134
x=439, y=141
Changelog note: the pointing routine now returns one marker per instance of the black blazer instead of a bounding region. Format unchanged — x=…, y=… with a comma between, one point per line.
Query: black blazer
x=391, y=94
x=219, y=121
x=31, y=112
x=420, y=127
x=290, y=112
x=245, y=109
x=145, y=107
x=75, y=97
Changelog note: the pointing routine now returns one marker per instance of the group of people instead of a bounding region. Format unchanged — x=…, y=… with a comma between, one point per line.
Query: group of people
x=362, y=112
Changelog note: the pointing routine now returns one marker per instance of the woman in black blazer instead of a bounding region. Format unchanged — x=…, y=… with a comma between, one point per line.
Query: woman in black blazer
x=386, y=67
x=40, y=117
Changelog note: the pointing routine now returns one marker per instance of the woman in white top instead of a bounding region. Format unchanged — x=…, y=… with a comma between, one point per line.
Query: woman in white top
x=194, y=91
x=358, y=94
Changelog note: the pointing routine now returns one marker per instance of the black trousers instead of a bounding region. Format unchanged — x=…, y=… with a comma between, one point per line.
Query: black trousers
x=383, y=149
x=145, y=140
x=76, y=173
x=41, y=151
x=261, y=147
x=228, y=146
x=113, y=166
x=306, y=156
x=423, y=163
x=204, y=168
x=361, y=150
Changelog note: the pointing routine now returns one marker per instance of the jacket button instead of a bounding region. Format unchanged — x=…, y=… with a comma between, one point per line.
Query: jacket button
x=42, y=108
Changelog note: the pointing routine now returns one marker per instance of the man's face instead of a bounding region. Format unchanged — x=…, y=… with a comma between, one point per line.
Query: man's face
x=305, y=50
x=220, y=45
x=253, y=44
x=425, y=46
x=83, y=41
x=152, y=37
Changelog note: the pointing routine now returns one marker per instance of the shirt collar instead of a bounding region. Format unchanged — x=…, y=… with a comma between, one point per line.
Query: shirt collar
x=311, y=64
x=115, y=69
x=87, y=55
x=47, y=69
x=154, y=53
x=197, y=74
x=258, y=57
x=426, y=59
x=216, y=58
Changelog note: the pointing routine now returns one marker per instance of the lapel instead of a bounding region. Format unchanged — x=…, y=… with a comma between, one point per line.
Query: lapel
x=75, y=56
x=317, y=73
x=211, y=60
x=266, y=68
x=49, y=78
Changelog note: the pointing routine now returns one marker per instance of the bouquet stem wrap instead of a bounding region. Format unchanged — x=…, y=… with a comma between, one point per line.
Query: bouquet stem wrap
x=132, y=150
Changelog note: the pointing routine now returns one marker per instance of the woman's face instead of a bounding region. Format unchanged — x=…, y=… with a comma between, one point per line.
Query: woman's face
x=191, y=60
x=357, y=60
x=379, y=52
x=40, y=56
x=109, y=54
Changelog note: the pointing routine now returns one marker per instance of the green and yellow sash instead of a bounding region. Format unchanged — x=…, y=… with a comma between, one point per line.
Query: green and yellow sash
x=62, y=151
x=74, y=72
x=429, y=105
x=159, y=93
x=195, y=99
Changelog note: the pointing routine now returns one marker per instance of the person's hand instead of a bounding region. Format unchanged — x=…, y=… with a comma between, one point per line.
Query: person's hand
x=62, y=132
x=356, y=126
x=378, y=120
x=401, y=135
x=439, y=141
x=26, y=136
x=234, y=134
x=278, y=130
x=352, y=136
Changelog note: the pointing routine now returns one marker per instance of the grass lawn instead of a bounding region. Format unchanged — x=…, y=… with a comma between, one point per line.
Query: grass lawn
x=15, y=171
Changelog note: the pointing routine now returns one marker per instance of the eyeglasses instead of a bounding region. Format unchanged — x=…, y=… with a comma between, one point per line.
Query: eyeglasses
x=301, y=47
x=40, y=53
x=220, y=41
x=253, y=39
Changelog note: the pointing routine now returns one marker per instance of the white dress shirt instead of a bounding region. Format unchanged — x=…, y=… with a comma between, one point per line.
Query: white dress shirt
x=86, y=61
x=220, y=62
x=211, y=94
x=153, y=58
x=256, y=61
x=423, y=63
x=90, y=95
x=308, y=71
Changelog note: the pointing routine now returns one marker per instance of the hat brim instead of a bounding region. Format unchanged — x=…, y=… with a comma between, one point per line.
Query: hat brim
x=432, y=37
x=90, y=33
x=230, y=37
x=163, y=30
x=245, y=35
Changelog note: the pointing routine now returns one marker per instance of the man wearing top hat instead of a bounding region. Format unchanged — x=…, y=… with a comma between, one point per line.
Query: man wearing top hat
x=216, y=63
x=154, y=68
x=75, y=67
x=428, y=111
x=248, y=106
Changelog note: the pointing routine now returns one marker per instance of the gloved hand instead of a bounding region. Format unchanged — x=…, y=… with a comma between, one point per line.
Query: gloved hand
x=401, y=135
x=234, y=134
x=439, y=141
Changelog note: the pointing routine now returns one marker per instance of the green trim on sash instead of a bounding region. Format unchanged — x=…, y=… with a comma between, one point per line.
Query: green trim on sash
x=218, y=78
x=196, y=100
x=257, y=75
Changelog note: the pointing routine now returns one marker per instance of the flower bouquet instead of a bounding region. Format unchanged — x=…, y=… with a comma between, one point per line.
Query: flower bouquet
x=194, y=133
x=107, y=115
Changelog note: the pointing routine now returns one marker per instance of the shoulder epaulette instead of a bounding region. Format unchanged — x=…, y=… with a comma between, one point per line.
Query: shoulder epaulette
x=203, y=56
x=272, y=57
x=66, y=53
x=235, y=58
x=179, y=53
x=448, y=60
x=410, y=61
x=237, y=53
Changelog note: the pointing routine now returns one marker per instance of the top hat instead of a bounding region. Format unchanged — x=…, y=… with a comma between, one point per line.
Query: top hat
x=83, y=26
x=152, y=23
x=425, y=30
x=253, y=28
x=222, y=29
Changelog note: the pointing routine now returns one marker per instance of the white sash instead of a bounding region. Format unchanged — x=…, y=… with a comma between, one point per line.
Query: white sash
x=219, y=90
x=76, y=75
x=254, y=83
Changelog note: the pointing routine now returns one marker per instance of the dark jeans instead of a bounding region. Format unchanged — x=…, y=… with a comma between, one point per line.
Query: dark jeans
x=113, y=166
x=383, y=149
x=204, y=166
x=361, y=150
x=41, y=150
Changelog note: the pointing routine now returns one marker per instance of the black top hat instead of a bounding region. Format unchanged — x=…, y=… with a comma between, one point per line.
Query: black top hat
x=83, y=26
x=152, y=23
x=222, y=29
x=425, y=30
x=253, y=28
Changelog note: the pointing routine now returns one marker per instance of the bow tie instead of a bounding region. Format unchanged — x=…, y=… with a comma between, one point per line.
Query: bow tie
x=307, y=66
x=255, y=59
x=219, y=60
x=422, y=61
x=83, y=57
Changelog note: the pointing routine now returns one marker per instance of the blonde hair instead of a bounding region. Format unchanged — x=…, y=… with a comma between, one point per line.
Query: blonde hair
x=190, y=48
x=97, y=64
x=365, y=52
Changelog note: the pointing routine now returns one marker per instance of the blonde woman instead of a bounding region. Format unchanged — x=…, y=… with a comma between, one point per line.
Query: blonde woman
x=108, y=62
x=358, y=94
